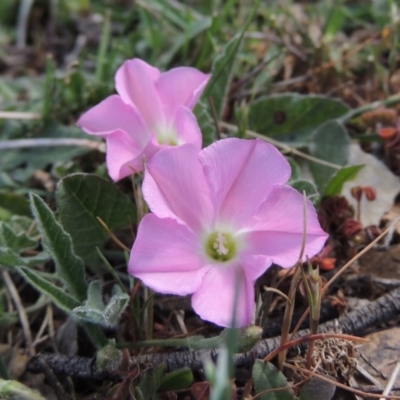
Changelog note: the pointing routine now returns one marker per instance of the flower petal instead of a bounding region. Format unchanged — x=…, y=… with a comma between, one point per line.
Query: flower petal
x=109, y=115
x=223, y=288
x=181, y=86
x=187, y=128
x=277, y=232
x=175, y=187
x=135, y=83
x=242, y=173
x=125, y=156
x=166, y=256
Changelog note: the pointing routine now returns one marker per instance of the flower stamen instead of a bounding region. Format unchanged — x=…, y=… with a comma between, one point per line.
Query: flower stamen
x=221, y=246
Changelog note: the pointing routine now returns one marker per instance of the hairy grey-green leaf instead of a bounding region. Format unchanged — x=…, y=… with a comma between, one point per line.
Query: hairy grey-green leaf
x=81, y=198
x=10, y=259
x=16, y=241
x=94, y=311
x=56, y=294
x=58, y=244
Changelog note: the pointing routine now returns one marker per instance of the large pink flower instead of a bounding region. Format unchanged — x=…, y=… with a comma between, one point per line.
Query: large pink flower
x=152, y=110
x=220, y=218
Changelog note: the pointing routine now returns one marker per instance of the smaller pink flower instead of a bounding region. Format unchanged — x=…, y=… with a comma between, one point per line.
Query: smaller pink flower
x=220, y=218
x=152, y=110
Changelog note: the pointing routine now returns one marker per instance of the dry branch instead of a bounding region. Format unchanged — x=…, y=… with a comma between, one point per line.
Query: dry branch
x=355, y=322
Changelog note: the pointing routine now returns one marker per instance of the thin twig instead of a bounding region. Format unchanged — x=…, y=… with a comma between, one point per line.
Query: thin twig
x=392, y=380
x=21, y=312
x=19, y=115
x=45, y=142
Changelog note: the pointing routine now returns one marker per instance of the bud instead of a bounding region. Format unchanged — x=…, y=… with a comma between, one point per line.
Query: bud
x=370, y=193
x=109, y=357
x=357, y=192
x=387, y=133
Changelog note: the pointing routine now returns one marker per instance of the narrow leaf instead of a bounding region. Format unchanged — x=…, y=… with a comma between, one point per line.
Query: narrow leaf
x=336, y=183
x=206, y=123
x=56, y=294
x=222, y=71
x=58, y=244
x=223, y=68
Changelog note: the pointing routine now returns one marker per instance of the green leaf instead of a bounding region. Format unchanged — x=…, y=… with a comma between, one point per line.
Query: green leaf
x=330, y=142
x=223, y=68
x=292, y=118
x=62, y=300
x=16, y=204
x=177, y=380
x=206, y=123
x=150, y=382
x=14, y=390
x=15, y=241
x=192, y=30
x=265, y=377
x=81, y=198
x=307, y=186
x=296, y=171
x=9, y=258
x=222, y=71
x=56, y=294
x=58, y=244
x=336, y=183
x=94, y=297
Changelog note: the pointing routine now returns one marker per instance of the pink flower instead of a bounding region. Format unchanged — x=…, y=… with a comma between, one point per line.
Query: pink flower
x=152, y=110
x=220, y=218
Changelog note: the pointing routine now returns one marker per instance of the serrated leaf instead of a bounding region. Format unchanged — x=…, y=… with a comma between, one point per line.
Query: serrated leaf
x=336, y=183
x=15, y=241
x=10, y=259
x=330, y=142
x=58, y=244
x=292, y=118
x=265, y=377
x=177, y=380
x=81, y=198
x=63, y=300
